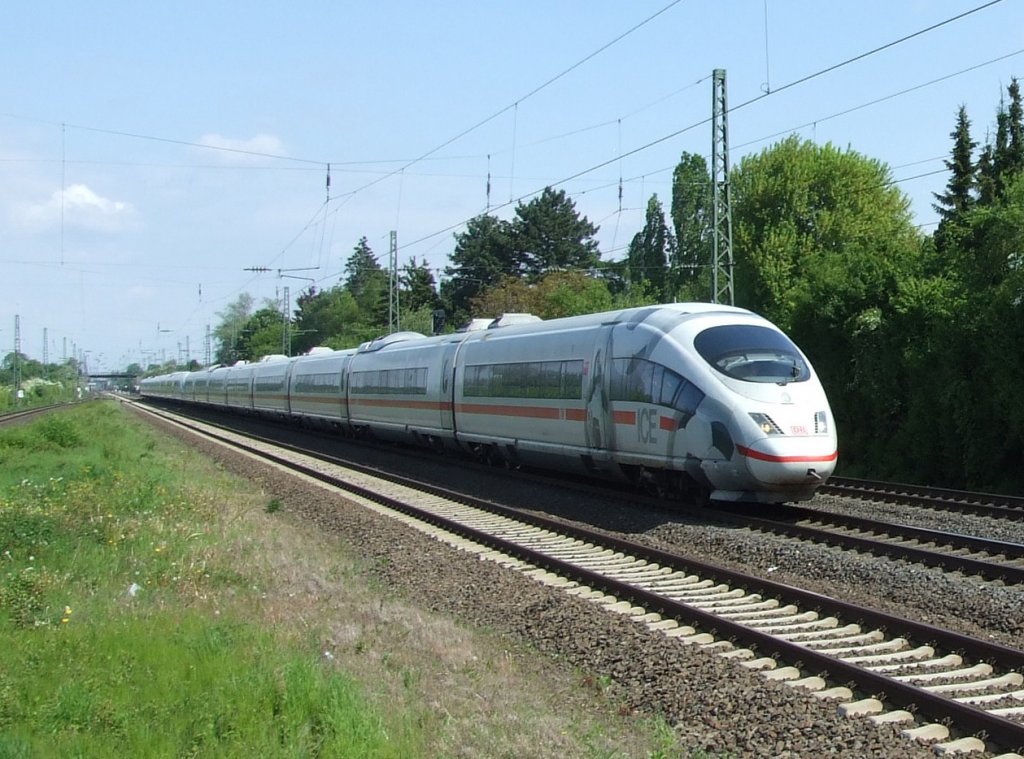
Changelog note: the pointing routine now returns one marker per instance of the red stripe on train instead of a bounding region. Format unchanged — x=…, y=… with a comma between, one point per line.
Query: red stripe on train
x=751, y=453
x=531, y=412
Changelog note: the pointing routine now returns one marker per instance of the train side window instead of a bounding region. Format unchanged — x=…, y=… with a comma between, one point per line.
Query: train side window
x=669, y=387
x=525, y=379
x=617, y=373
x=642, y=381
x=657, y=375
x=632, y=379
x=639, y=381
x=687, y=398
x=496, y=387
x=572, y=380
x=549, y=379
x=533, y=385
x=516, y=380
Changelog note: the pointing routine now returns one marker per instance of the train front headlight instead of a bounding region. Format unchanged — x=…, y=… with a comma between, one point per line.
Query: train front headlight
x=820, y=422
x=765, y=422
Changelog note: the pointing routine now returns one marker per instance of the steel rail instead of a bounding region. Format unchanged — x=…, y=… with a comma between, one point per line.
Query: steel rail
x=990, y=570
x=28, y=413
x=995, y=505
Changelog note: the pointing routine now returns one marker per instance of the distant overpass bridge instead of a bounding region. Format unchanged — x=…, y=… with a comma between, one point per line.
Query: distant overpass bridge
x=107, y=380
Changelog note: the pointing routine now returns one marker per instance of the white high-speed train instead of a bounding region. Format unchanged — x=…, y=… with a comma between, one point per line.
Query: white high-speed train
x=692, y=398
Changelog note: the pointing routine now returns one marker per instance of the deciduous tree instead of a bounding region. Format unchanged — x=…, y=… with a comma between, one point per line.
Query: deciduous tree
x=232, y=321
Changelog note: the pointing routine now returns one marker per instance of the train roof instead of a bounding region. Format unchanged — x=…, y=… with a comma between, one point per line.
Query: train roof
x=653, y=315
x=394, y=337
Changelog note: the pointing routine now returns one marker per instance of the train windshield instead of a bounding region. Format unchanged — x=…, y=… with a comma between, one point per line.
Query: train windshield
x=752, y=354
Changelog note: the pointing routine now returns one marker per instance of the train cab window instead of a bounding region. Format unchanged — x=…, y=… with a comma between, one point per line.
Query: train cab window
x=752, y=354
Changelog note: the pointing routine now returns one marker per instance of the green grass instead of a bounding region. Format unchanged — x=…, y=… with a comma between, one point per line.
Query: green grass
x=124, y=629
x=39, y=392
x=195, y=686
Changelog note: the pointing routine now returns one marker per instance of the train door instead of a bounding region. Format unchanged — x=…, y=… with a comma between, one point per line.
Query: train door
x=600, y=429
x=447, y=404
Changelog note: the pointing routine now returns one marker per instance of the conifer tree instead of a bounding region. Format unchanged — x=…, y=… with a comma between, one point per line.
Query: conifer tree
x=548, y=234
x=483, y=254
x=956, y=201
x=650, y=251
x=418, y=286
x=986, y=180
x=1004, y=160
x=367, y=281
x=689, y=266
x=1015, y=128
x=1000, y=152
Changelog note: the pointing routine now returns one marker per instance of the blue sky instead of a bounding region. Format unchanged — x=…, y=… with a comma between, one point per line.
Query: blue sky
x=151, y=152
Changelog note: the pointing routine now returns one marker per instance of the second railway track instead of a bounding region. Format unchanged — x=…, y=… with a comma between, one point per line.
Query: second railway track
x=995, y=505
x=991, y=559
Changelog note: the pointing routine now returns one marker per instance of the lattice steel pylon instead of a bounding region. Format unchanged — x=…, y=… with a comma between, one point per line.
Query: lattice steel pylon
x=394, y=319
x=722, y=290
x=17, y=357
x=286, y=335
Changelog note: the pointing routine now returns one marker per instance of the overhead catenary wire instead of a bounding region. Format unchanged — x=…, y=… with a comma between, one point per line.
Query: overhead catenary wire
x=539, y=88
x=821, y=119
x=789, y=85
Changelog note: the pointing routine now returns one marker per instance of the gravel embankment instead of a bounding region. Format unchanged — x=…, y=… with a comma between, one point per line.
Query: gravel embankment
x=716, y=706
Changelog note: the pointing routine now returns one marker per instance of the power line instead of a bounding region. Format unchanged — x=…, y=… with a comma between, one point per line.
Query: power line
x=514, y=105
x=788, y=85
x=876, y=101
x=879, y=49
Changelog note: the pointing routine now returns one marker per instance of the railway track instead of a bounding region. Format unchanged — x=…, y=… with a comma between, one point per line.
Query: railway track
x=983, y=504
x=990, y=559
x=26, y=414
x=826, y=645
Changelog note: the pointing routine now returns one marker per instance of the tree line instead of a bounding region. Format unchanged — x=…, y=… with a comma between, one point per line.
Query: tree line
x=38, y=383
x=917, y=336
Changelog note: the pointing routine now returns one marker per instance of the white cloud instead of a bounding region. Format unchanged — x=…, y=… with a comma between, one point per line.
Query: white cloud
x=77, y=206
x=80, y=196
x=232, y=150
